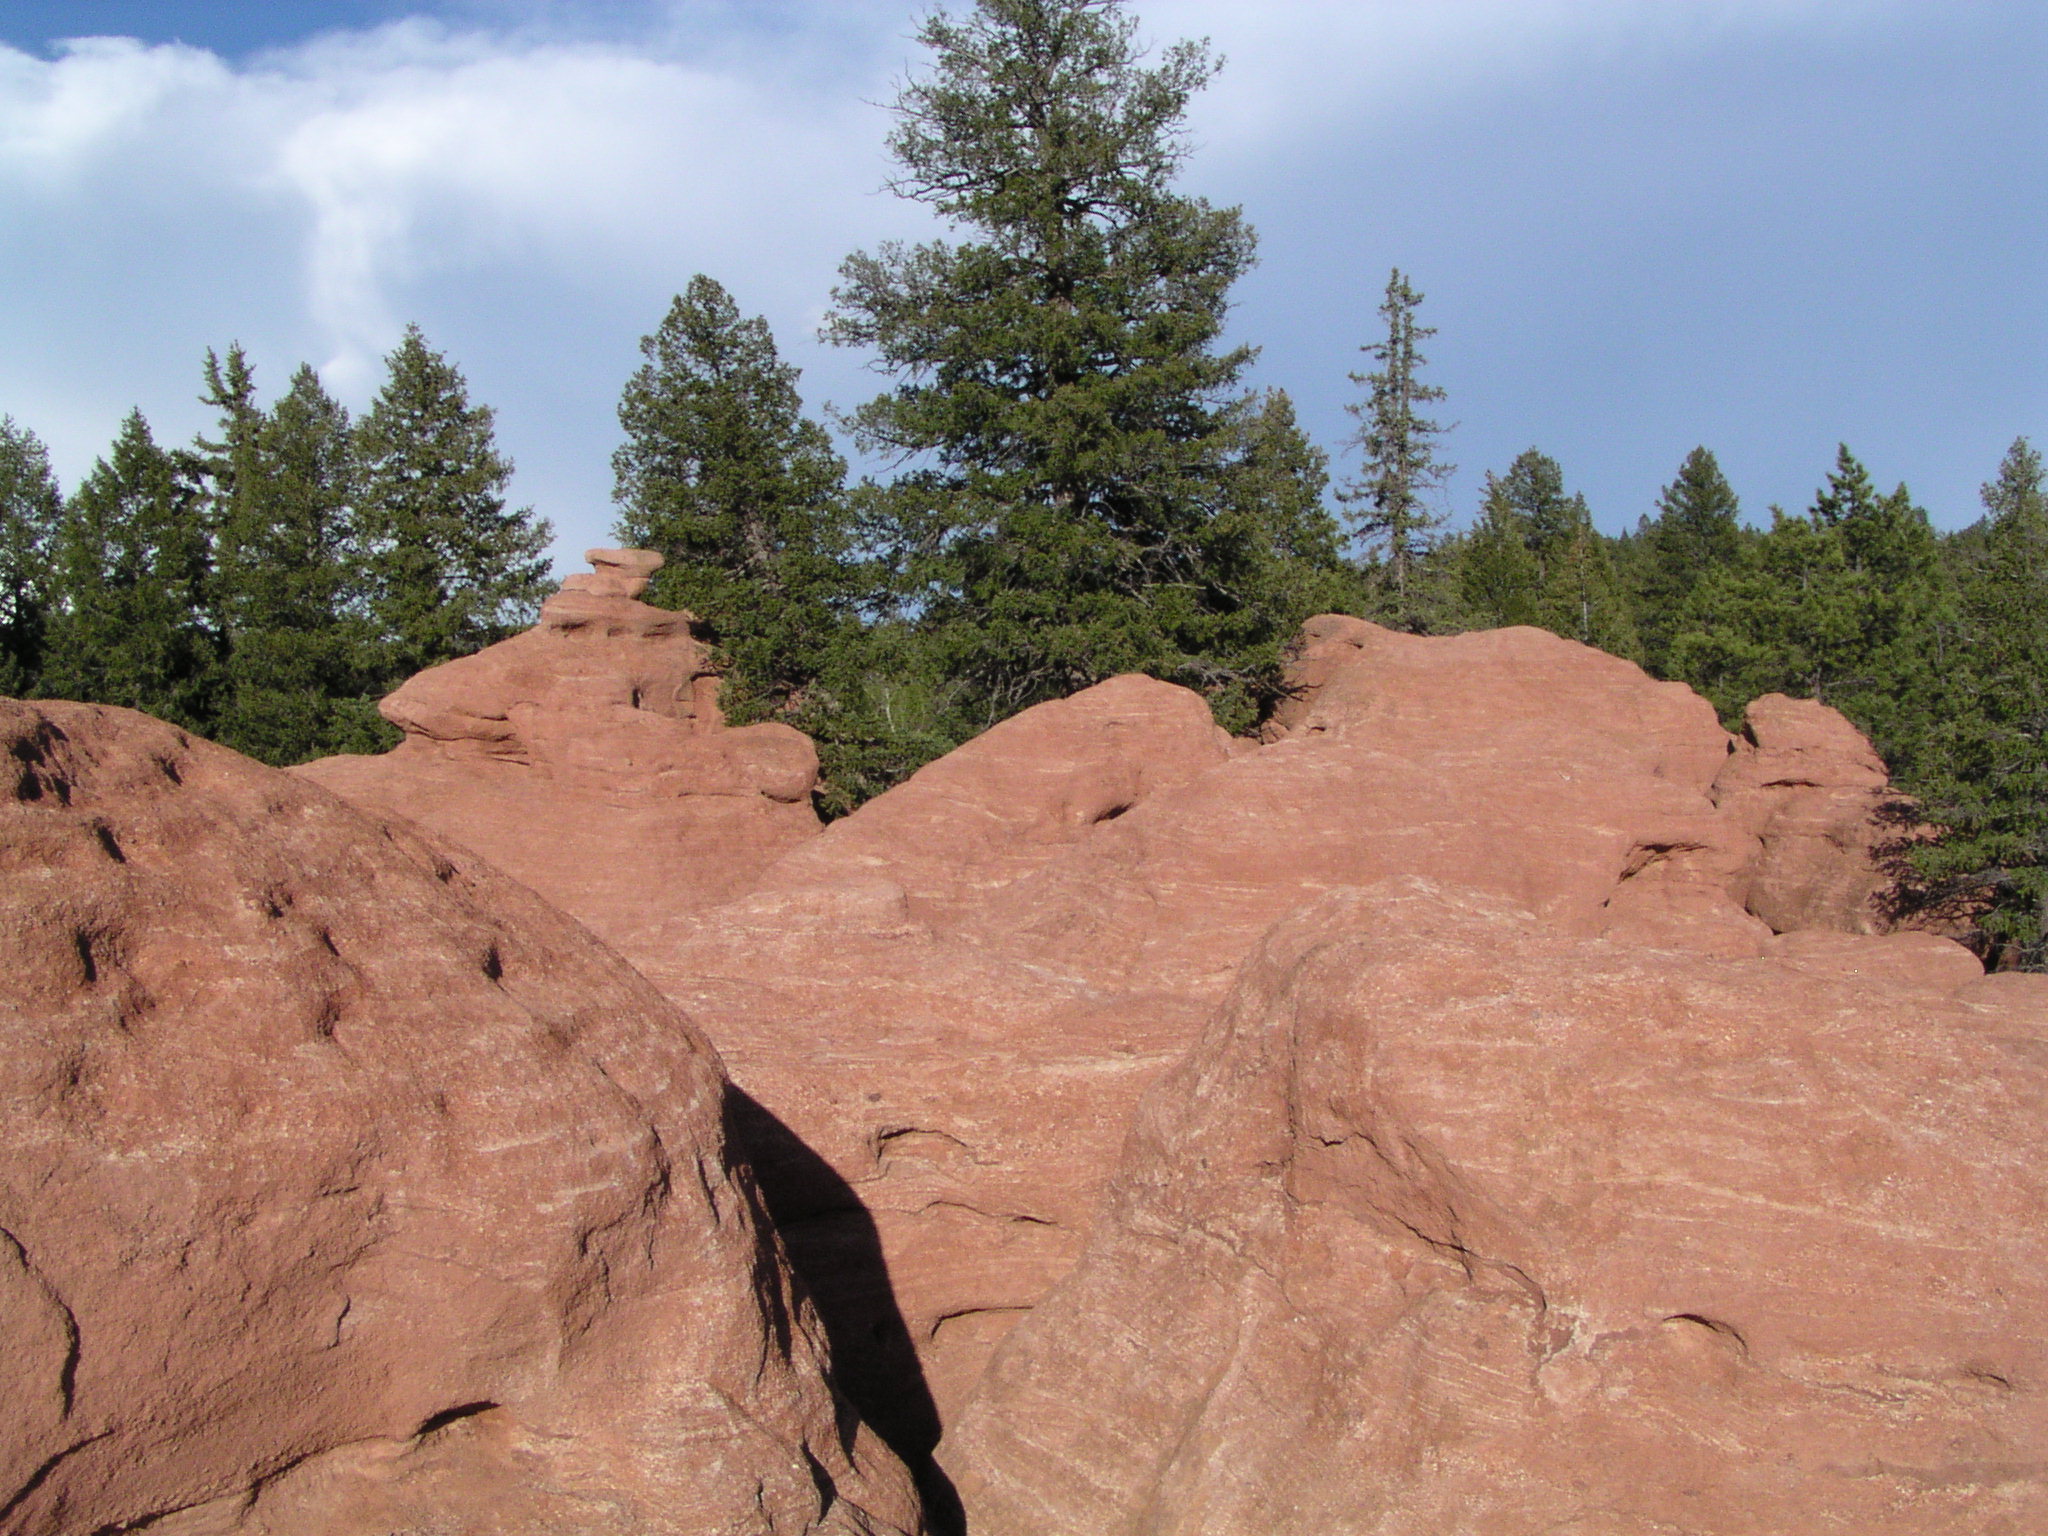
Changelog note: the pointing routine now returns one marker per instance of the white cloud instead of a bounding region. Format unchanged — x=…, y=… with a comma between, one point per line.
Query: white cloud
x=411, y=156
x=533, y=194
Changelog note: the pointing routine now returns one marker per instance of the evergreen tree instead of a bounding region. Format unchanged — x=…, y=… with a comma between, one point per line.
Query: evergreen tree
x=1984, y=773
x=1534, y=557
x=1841, y=605
x=1389, y=500
x=1497, y=573
x=1075, y=432
x=131, y=564
x=286, y=575
x=449, y=568
x=30, y=507
x=221, y=467
x=722, y=472
x=1697, y=530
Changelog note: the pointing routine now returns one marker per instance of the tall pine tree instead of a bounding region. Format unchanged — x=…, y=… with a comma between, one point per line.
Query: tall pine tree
x=1388, y=503
x=30, y=507
x=1074, y=428
x=1534, y=557
x=132, y=565
x=287, y=576
x=449, y=567
x=724, y=474
x=1697, y=530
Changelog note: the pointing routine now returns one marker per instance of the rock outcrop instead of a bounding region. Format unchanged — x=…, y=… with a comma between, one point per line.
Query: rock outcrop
x=1452, y=1221
x=349, y=1188
x=587, y=757
x=952, y=1000
x=944, y=1009
x=1819, y=801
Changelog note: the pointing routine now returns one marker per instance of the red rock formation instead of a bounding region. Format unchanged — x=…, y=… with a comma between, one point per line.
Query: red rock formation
x=954, y=997
x=946, y=1007
x=1807, y=785
x=349, y=1188
x=587, y=757
x=1452, y=1222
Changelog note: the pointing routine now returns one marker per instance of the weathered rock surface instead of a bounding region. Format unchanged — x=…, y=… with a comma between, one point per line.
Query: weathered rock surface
x=1819, y=801
x=349, y=1188
x=587, y=758
x=952, y=999
x=1453, y=1222
x=946, y=1007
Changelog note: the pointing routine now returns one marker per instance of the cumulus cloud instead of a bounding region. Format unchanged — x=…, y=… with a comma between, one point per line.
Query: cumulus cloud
x=411, y=152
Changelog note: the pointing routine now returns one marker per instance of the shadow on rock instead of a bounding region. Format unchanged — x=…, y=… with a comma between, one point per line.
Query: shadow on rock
x=837, y=1253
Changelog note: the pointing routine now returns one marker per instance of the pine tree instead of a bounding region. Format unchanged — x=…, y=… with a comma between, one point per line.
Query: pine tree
x=1389, y=499
x=449, y=568
x=1841, y=605
x=131, y=564
x=1697, y=530
x=1534, y=557
x=286, y=576
x=30, y=507
x=722, y=472
x=1497, y=575
x=1984, y=773
x=1075, y=430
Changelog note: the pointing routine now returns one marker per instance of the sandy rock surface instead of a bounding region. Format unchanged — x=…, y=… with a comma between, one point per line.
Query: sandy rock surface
x=1819, y=800
x=349, y=1188
x=587, y=757
x=1453, y=1222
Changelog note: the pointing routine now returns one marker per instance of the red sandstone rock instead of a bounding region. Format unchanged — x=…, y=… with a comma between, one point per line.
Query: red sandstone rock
x=954, y=997
x=587, y=757
x=1454, y=1223
x=1805, y=782
x=349, y=1188
x=947, y=1005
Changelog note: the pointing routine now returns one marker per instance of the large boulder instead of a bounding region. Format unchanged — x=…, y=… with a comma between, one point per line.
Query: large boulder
x=588, y=758
x=349, y=1188
x=1452, y=1221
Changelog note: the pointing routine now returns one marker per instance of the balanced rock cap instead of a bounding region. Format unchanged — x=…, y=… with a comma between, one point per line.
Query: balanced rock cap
x=616, y=572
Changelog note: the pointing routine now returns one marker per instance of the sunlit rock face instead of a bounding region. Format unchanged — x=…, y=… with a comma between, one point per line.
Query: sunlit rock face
x=349, y=1188
x=587, y=757
x=952, y=1000
x=1452, y=1221
x=944, y=1010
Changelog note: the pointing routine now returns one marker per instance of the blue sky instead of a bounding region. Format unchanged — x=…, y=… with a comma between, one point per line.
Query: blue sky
x=1762, y=225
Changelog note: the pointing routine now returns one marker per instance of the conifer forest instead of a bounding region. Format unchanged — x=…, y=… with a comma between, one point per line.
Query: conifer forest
x=1072, y=480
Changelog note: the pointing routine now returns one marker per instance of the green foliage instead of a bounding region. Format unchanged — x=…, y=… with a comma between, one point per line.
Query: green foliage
x=267, y=586
x=132, y=571
x=1843, y=605
x=1389, y=512
x=1984, y=764
x=1697, y=531
x=30, y=508
x=448, y=567
x=1087, y=490
x=1534, y=557
x=287, y=572
x=722, y=472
